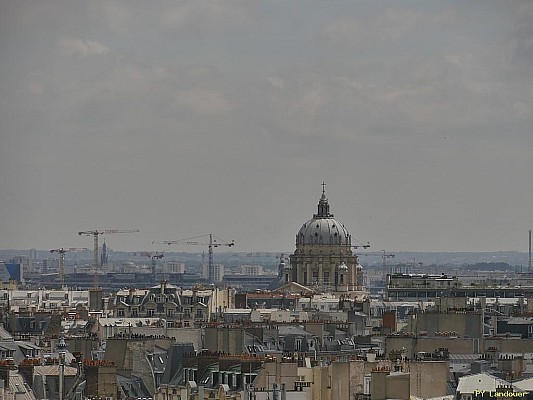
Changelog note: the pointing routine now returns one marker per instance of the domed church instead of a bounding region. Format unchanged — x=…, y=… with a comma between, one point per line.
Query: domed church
x=323, y=258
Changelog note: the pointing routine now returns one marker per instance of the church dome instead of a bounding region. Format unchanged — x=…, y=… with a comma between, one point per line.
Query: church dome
x=323, y=229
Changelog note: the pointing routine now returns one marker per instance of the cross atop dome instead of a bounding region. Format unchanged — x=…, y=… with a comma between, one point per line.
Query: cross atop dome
x=323, y=205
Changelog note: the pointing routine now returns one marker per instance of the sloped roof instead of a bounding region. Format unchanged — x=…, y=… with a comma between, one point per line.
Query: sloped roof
x=5, y=335
x=285, y=330
x=127, y=322
x=18, y=386
x=293, y=287
x=520, y=321
x=133, y=387
x=525, y=384
x=53, y=370
x=482, y=381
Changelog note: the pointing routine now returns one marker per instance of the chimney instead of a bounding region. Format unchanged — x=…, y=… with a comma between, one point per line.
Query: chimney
x=371, y=355
x=483, y=302
x=4, y=374
x=27, y=373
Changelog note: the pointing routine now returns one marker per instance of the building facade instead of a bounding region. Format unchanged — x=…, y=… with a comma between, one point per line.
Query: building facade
x=323, y=257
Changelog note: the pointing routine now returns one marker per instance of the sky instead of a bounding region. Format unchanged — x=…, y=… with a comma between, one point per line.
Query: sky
x=184, y=118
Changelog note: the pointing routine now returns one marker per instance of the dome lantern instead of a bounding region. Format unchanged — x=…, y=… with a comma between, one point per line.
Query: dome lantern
x=323, y=229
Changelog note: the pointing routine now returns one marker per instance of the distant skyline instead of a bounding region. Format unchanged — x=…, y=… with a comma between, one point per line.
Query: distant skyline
x=187, y=118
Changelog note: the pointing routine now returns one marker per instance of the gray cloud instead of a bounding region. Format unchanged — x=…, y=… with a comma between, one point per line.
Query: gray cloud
x=197, y=117
x=206, y=16
x=69, y=47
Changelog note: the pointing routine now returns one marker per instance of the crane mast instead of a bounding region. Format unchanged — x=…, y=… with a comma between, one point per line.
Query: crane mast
x=210, y=262
x=384, y=256
x=212, y=243
x=62, y=252
x=154, y=257
x=94, y=234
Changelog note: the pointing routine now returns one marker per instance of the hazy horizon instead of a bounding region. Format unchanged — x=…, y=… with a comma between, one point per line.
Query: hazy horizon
x=187, y=118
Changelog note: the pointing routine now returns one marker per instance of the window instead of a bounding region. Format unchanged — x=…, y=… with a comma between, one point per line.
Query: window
x=150, y=312
x=298, y=344
x=170, y=312
x=120, y=312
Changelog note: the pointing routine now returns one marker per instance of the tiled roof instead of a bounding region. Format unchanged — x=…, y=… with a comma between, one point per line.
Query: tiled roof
x=18, y=387
x=52, y=370
x=5, y=335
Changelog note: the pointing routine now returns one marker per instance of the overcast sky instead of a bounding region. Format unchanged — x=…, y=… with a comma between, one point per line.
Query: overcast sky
x=183, y=118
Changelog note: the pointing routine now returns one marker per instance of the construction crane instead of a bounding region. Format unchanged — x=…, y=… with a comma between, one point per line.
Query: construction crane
x=415, y=264
x=361, y=246
x=154, y=256
x=95, y=234
x=384, y=255
x=62, y=252
x=212, y=243
x=266, y=254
